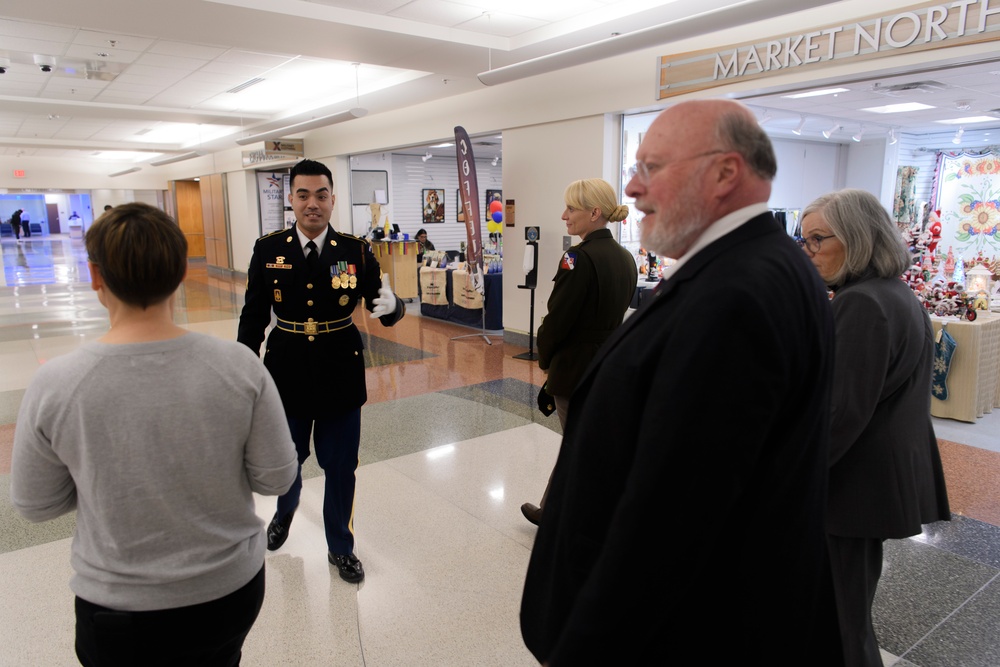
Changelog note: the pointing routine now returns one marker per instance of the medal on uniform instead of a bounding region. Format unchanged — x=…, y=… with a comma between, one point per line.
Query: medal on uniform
x=354, y=282
x=352, y=271
x=335, y=282
x=344, y=299
x=343, y=279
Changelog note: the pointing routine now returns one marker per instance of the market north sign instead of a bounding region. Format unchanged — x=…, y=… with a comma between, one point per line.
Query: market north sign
x=920, y=28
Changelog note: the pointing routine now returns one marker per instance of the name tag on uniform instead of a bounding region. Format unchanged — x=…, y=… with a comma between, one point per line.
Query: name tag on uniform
x=279, y=263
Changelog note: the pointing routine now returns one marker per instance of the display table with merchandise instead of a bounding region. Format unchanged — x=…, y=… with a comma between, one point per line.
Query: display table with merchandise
x=448, y=294
x=643, y=290
x=398, y=259
x=974, y=375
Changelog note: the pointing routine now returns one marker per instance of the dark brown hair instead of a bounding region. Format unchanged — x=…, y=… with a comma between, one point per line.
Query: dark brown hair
x=140, y=251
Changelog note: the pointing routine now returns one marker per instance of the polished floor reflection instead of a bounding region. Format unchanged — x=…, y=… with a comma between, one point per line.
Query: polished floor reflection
x=451, y=446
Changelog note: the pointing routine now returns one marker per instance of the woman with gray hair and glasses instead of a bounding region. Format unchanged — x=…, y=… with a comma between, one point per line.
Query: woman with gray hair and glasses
x=885, y=470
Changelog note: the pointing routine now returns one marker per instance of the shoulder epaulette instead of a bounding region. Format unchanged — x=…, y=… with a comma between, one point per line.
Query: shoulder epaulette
x=280, y=231
x=352, y=237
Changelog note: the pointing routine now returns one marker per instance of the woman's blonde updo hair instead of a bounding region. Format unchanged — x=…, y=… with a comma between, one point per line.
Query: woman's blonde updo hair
x=596, y=193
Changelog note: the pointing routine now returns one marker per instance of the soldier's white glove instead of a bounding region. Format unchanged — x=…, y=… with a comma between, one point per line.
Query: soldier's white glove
x=385, y=302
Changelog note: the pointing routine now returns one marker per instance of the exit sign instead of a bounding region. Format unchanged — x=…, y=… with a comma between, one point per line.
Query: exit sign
x=19, y=173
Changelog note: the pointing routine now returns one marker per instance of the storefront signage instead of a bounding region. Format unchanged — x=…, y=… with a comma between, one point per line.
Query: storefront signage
x=920, y=28
x=274, y=150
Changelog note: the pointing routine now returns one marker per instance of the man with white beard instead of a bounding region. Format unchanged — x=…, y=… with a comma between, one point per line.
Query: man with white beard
x=702, y=424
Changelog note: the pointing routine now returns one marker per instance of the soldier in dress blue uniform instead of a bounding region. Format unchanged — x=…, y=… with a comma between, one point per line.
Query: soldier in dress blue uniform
x=313, y=277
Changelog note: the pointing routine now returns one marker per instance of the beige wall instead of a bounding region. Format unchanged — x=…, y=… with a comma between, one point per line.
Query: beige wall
x=539, y=162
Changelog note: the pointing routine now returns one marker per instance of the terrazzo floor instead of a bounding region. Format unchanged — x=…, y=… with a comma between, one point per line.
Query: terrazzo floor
x=451, y=447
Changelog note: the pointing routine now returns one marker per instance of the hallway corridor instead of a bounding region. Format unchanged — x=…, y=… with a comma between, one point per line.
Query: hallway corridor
x=452, y=444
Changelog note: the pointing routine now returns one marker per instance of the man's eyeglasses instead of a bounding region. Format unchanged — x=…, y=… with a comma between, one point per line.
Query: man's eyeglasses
x=812, y=243
x=645, y=171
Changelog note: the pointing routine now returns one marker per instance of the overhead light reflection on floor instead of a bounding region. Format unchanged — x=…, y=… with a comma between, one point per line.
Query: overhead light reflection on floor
x=439, y=452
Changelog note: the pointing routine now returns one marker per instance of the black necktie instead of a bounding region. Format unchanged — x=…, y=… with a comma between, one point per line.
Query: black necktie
x=312, y=259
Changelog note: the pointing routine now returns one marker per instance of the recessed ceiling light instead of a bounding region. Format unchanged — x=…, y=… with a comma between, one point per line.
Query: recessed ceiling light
x=816, y=93
x=899, y=108
x=967, y=120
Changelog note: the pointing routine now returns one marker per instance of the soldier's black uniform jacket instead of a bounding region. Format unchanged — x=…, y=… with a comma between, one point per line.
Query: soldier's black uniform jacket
x=314, y=353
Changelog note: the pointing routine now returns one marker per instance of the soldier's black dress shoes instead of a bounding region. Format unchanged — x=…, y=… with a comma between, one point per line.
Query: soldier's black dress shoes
x=349, y=567
x=277, y=531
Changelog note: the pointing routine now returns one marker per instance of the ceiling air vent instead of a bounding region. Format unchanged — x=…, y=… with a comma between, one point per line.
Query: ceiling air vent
x=918, y=86
x=246, y=84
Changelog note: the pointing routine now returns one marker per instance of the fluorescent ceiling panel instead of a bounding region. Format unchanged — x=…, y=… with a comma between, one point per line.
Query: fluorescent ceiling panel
x=903, y=107
x=967, y=120
x=816, y=93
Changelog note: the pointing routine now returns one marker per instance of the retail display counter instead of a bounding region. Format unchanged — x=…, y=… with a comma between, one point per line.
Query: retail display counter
x=447, y=294
x=643, y=290
x=974, y=377
x=398, y=259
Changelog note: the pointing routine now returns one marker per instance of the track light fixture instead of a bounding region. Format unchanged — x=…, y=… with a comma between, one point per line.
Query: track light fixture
x=892, y=136
x=495, y=160
x=304, y=126
x=829, y=133
x=958, y=135
x=170, y=159
x=861, y=133
x=427, y=156
x=802, y=123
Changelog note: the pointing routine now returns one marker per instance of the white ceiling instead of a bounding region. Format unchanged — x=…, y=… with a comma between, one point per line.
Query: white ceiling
x=159, y=77
x=953, y=91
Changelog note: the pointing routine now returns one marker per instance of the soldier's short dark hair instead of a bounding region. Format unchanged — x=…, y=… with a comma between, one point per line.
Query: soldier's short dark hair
x=310, y=168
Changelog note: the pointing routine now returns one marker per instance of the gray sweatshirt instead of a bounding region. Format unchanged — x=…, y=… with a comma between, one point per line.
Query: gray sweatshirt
x=159, y=447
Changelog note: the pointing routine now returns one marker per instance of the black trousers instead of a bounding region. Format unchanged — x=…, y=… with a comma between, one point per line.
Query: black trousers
x=856, y=565
x=210, y=634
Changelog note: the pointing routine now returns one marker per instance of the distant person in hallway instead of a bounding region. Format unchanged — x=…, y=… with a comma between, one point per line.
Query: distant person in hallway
x=26, y=224
x=157, y=437
x=594, y=284
x=313, y=278
x=15, y=223
x=686, y=510
x=885, y=470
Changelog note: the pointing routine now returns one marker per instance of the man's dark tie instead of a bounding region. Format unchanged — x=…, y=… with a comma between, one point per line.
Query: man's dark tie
x=312, y=259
